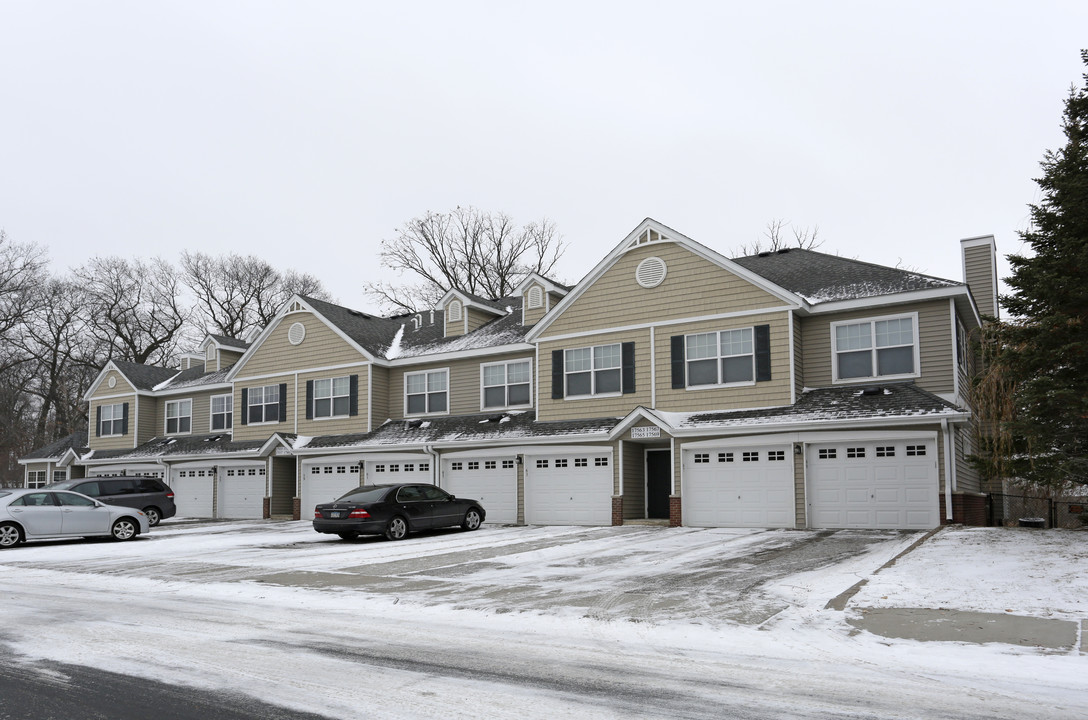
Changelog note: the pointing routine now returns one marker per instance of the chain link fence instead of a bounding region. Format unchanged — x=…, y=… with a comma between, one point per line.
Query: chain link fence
x=1067, y=511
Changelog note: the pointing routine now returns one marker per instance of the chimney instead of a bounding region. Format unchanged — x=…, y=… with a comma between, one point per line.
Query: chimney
x=980, y=272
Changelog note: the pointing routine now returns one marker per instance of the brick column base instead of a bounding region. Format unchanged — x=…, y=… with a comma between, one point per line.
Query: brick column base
x=674, y=511
x=296, y=509
x=617, y=510
x=267, y=511
x=967, y=509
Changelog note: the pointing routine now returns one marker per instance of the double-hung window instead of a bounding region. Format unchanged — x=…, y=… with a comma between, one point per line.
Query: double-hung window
x=720, y=358
x=179, y=416
x=426, y=392
x=332, y=397
x=507, y=384
x=222, y=412
x=112, y=419
x=884, y=347
x=264, y=404
x=593, y=370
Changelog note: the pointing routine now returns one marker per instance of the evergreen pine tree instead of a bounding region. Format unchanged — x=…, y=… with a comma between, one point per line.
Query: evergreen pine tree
x=1043, y=348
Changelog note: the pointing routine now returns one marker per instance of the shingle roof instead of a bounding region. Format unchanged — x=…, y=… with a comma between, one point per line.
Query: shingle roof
x=76, y=441
x=818, y=277
x=374, y=334
x=144, y=377
x=165, y=447
x=229, y=341
x=869, y=402
x=195, y=377
x=489, y=427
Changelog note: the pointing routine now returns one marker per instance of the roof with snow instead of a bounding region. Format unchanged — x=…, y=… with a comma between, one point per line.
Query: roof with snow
x=77, y=441
x=194, y=378
x=217, y=444
x=818, y=277
x=868, y=402
x=484, y=427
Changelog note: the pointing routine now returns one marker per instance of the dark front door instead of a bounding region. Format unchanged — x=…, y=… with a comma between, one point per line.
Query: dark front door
x=658, y=483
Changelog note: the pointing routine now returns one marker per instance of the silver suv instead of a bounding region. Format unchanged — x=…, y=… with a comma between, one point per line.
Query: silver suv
x=149, y=494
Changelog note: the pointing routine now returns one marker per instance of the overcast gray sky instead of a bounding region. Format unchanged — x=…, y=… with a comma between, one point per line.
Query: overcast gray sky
x=306, y=132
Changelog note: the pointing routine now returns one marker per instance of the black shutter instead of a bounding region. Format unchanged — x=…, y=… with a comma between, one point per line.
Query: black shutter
x=124, y=419
x=679, y=379
x=627, y=355
x=309, y=399
x=283, y=402
x=98, y=421
x=763, y=352
x=245, y=406
x=353, y=398
x=557, y=374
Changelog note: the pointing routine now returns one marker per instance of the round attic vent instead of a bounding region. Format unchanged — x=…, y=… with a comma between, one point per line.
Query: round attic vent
x=296, y=333
x=651, y=272
x=112, y=382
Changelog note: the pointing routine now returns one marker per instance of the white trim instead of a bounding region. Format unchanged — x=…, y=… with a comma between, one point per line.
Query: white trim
x=873, y=349
x=672, y=469
x=811, y=437
x=457, y=355
x=669, y=323
x=955, y=321
x=592, y=394
x=718, y=357
x=212, y=413
x=369, y=399
x=793, y=359
x=332, y=400
x=404, y=393
x=565, y=450
x=507, y=452
x=653, y=368
x=285, y=373
x=361, y=458
x=506, y=384
x=166, y=417
x=100, y=398
x=885, y=300
x=190, y=389
x=949, y=469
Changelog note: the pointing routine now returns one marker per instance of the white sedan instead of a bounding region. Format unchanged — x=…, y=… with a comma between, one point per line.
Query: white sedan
x=37, y=514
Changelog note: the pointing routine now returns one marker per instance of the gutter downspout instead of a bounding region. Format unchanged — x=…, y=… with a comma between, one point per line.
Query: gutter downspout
x=949, y=449
x=435, y=475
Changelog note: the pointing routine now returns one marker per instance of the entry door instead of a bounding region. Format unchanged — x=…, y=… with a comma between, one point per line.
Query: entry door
x=658, y=483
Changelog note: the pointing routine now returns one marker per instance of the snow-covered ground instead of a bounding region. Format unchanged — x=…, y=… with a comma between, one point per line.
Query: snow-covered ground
x=556, y=622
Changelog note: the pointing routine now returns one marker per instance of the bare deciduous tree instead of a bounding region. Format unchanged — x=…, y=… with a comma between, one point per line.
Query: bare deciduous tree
x=133, y=307
x=236, y=294
x=482, y=253
x=22, y=269
x=774, y=239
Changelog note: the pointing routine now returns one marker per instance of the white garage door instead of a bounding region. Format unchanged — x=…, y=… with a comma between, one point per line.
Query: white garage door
x=241, y=492
x=569, y=489
x=739, y=487
x=883, y=484
x=193, y=492
x=324, y=482
x=492, y=481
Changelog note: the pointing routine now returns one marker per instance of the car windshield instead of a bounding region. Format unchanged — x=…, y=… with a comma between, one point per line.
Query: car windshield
x=62, y=485
x=364, y=494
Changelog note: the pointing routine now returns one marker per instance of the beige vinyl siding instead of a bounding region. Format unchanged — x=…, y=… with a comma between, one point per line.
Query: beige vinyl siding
x=201, y=417
x=771, y=393
x=464, y=382
x=380, y=397
x=105, y=391
x=262, y=431
x=967, y=476
x=478, y=318
x=276, y=356
x=229, y=357
x=978, y=273
x=634, y=481
x=693, y=286
x=336, y=425
x=594, y=406
x=937, y=356
x=118, y=442
x=800, y=507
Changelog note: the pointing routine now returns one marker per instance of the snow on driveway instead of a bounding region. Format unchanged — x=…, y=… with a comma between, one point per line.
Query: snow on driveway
x=550, y=622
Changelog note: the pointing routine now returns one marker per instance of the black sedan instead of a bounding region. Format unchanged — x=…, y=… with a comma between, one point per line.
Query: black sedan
x=395, y=510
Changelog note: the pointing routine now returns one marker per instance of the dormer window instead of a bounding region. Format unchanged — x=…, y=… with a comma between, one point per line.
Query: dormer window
x=417, y=322
x=536, y=297
x=455, y=310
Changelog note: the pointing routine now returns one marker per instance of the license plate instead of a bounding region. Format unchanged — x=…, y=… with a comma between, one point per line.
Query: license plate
x=336, y=514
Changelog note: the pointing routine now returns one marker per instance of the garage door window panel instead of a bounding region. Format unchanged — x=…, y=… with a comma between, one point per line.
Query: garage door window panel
x=426, y=392
x=876, y=348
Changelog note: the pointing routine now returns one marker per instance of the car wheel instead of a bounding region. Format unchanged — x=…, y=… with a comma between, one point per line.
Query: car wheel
x=348, y=535
x=396, y=529
x=153, y=516
x=10, y=535
x=124, y=529
x=472, y=520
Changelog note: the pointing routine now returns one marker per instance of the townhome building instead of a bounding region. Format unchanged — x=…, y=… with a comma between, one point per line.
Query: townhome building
x=788, y=389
